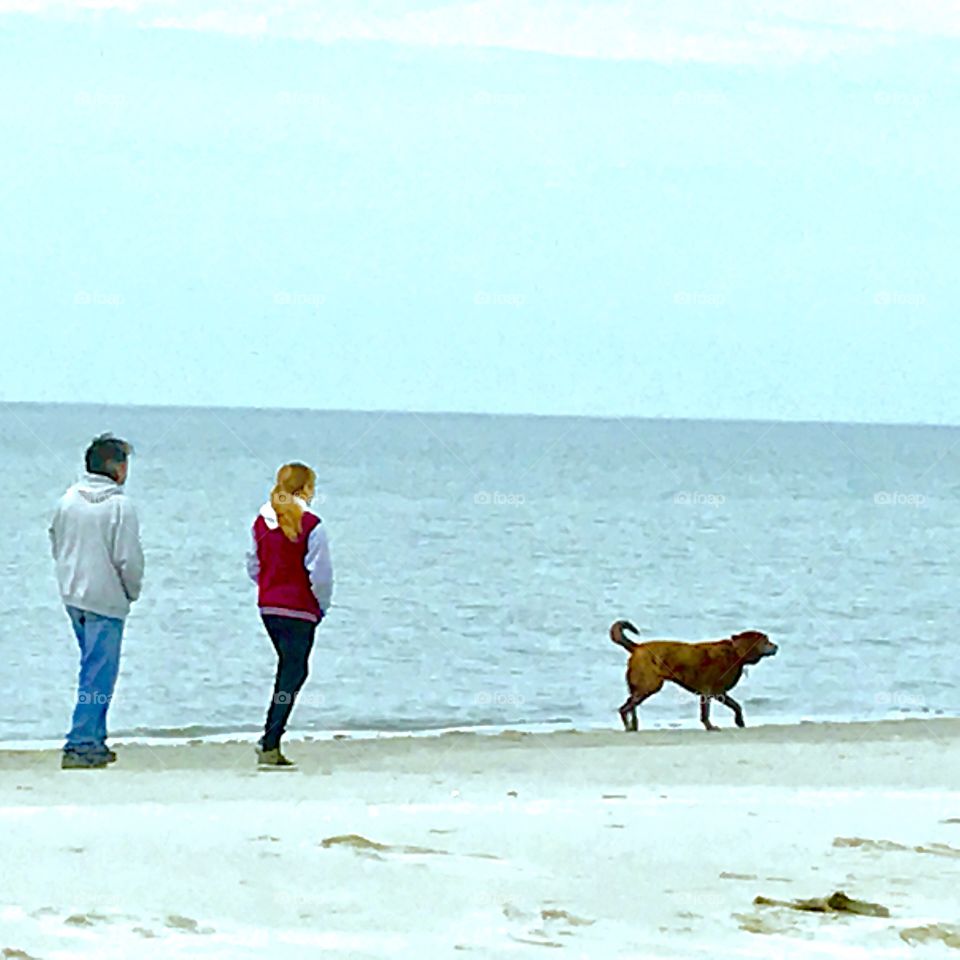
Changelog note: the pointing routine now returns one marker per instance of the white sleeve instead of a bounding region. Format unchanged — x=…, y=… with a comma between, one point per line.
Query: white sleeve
x=319, y=566
x=127, y=551
x=253, y=558
x=52, y=531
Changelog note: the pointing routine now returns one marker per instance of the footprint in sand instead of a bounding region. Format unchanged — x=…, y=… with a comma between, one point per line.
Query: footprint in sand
x=939, y=849
x=543, y=930
x=932, y=933
x=84, y=919
x=755, y=923
x=361, y=844
x=186, y=924
x=373, y=849
x=561, y=916
x=936, y=849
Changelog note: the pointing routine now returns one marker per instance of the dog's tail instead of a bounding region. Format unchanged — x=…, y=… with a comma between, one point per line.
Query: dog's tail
x=616, y=635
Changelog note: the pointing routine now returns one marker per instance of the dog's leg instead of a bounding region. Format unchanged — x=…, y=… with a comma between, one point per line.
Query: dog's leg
x=638, y=693
x=628, y=712
x=728, y=701
x=705, y=712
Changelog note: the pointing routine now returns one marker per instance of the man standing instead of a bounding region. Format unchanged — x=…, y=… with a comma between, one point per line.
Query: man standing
x=96, y=545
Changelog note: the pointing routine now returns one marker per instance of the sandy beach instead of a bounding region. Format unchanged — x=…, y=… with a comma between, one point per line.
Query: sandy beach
x=597, y=844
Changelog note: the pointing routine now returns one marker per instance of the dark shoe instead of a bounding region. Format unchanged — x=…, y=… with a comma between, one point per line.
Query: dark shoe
x=273, y=758
x=82, y=761
x=111, y=757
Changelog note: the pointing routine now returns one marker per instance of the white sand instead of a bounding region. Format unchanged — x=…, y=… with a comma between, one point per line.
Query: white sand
x=597, y=844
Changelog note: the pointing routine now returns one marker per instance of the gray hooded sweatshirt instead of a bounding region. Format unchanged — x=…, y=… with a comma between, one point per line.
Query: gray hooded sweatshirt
x=95, y=538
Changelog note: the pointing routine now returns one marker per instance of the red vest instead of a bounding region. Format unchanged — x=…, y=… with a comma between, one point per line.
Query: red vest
x=283, y=581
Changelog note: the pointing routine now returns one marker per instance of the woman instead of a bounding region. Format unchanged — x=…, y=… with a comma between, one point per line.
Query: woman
x=289, y=561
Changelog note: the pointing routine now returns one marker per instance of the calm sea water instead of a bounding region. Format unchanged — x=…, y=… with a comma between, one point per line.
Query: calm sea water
x=480, y=560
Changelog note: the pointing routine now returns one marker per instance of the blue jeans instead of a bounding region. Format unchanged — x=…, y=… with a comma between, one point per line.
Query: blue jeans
x=99, y=638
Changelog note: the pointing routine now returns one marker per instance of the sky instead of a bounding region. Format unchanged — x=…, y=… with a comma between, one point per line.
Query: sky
x=697, y=209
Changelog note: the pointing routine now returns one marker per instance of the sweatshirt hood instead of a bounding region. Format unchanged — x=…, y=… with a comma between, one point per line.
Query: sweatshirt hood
x=95, y=488
x=270, y=515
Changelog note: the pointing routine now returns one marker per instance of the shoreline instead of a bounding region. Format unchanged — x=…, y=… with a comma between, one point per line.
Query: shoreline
x=771, y=744
x=169, y=737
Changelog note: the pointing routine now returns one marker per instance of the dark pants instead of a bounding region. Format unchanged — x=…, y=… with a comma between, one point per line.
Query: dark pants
x=293, y=641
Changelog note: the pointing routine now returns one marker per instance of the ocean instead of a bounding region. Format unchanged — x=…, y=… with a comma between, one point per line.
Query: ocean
x=480, y=560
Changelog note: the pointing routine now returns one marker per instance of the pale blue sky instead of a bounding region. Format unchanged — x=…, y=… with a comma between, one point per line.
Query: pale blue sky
x=724, y=210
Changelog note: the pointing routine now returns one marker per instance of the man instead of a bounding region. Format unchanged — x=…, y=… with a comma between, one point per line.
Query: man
x=96, y=545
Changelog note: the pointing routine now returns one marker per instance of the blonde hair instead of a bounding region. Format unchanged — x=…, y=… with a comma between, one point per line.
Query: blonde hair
x=292, y=480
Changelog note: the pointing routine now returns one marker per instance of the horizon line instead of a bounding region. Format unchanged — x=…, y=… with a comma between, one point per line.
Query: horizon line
x=481, y=413
x=635, y=31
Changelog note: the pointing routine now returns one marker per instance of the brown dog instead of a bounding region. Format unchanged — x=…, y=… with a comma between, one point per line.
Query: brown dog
x=708, y=669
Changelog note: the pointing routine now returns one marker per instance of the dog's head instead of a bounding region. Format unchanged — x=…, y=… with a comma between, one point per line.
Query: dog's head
x=752, y=646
